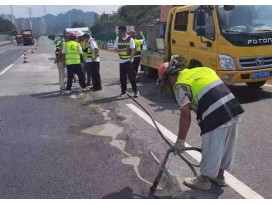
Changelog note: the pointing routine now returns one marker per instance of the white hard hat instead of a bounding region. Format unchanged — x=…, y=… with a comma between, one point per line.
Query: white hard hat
x=79, y=33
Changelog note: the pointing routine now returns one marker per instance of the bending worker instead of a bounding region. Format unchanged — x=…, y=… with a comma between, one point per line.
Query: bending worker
x=217, y=110
x=138, y=51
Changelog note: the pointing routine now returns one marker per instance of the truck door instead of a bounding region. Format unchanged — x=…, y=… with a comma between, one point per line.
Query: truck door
x=179, y=39
x=204, y=51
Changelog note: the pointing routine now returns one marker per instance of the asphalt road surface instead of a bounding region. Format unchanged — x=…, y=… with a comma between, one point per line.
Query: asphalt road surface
x=98, y=145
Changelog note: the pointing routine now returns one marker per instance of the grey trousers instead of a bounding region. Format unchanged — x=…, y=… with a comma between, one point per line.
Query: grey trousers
x=218, y=149
x=61, y=68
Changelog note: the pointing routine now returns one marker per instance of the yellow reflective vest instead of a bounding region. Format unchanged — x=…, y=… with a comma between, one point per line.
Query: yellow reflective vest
x=213, y=101
x=124, y=44
x=137, y=48
x=72, y=55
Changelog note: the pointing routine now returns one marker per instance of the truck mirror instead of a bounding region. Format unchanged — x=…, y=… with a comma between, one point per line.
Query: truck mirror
x=200, y=18
x=228, y=7
x=201, y=31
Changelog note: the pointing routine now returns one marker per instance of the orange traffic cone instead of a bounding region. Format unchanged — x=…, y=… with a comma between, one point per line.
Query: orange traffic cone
x=25, y=57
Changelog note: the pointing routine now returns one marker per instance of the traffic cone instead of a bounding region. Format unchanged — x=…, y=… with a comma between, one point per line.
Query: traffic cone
x=25, y=57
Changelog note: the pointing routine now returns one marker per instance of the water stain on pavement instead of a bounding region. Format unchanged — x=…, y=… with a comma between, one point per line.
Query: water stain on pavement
x=112, y=130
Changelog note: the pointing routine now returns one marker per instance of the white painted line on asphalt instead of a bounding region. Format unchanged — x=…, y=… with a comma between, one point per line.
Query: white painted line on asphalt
x=268, y=85
x=6, y=69
x=2, y=52
x=233, y=182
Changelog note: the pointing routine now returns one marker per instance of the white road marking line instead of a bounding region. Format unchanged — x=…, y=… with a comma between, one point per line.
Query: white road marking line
x=2, y=52
x=233, y=182
x=6, y=69
x=268, y=85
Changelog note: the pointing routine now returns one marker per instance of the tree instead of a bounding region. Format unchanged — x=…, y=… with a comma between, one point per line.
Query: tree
x=78, y=24
x=6, y=27
x=104, y=27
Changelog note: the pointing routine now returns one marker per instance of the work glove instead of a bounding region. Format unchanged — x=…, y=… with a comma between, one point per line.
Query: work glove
x=179, y=147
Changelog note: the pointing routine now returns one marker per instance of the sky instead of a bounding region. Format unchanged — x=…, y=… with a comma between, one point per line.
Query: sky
x=108, y=6
x=38, y=10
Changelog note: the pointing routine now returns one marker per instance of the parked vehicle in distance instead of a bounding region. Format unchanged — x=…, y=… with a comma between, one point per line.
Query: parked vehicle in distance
x=19, y=39
x=28, y=37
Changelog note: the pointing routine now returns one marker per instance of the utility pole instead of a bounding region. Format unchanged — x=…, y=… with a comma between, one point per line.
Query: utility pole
x=30, y=16
x=11, y=13
x=44, y=20
x=69, y=19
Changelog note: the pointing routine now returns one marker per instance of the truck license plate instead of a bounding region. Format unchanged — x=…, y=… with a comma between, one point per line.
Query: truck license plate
x=259, y=75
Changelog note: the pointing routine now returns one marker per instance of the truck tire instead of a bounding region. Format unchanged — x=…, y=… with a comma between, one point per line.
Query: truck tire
x=256, y=85
x=149, y=72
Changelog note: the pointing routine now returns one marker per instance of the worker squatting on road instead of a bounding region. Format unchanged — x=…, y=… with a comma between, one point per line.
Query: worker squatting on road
x=61, y=62
x=217, y=112
x=125, y=47
x=138, y=51
x=73, y=58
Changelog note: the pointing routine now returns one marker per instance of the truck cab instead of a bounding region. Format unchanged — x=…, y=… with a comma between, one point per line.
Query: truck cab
x=28, y=38
x=19, y=38
x=235, y=41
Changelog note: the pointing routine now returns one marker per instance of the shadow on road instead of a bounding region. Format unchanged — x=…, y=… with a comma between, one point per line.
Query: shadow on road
x=50, y=94
x=105, y=100
x=127, y=193
x=245, y=94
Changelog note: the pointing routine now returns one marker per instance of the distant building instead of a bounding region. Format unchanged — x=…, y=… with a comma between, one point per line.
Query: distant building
x=37, y=25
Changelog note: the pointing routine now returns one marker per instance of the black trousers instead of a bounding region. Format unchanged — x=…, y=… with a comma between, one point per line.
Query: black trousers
x=126, y=69
x=75, y=69
x=88, y=68
x=95, y=72
x=136, y=64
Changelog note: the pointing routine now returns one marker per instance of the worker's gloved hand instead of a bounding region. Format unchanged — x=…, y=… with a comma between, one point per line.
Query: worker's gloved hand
x=179, y=146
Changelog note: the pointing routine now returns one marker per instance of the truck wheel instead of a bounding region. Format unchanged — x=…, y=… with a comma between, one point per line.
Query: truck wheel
x=256, y=85
x=149, y=72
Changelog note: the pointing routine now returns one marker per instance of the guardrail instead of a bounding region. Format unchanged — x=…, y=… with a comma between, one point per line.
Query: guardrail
x=5, y=39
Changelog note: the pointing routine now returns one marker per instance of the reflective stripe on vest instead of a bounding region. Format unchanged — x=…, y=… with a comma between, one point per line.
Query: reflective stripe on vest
x=58, y=45
x=215, y=103
x=82, y=44
x=72, y=55
x=137, y=48
x=124, y=44
x=89, y=51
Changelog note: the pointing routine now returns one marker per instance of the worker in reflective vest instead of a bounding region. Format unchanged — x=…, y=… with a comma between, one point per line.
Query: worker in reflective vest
x=217, y=113
x=125, y=47
x=81, y=41
x=60, y=62
x=138, y=51
x=73, y=58
x=92, y=62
